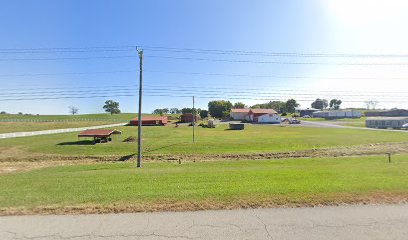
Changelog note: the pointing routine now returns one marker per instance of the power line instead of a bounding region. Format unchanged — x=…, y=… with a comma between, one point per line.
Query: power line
x=67, y=58
x=198, y=51
x=278, y=62
x=180, y=96
x=202, y=94
x=200, y=74
x=113, y=88
x=274, y=54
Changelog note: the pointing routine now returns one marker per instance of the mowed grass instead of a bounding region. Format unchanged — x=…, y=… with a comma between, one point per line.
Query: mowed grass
x=78, y=117
x=25, y=123
x=222, y=183
x=9, y=127
x=171, y=140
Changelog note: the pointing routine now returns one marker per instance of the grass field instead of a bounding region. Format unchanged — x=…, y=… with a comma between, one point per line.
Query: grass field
x=79, y=117
x=171, y=140
x=9, y=127
x=24, y=123
x=202, y=185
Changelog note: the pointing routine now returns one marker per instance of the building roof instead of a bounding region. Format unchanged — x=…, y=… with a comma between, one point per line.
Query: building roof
x=151, y=118
x=307, y=109
x=263, y=111
x=387, y=118
x=240, y=110
x=386, y=111
x=98, y=133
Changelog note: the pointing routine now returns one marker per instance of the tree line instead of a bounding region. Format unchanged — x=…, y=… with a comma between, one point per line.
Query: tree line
x=323, y=104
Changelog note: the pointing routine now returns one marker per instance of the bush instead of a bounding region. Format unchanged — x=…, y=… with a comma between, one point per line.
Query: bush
x=284, y=114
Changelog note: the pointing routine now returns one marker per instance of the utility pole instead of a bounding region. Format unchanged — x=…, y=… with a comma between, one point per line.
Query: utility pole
x=193, y=121
x=139, y=122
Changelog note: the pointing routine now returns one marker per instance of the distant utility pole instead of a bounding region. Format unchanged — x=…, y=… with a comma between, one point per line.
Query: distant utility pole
x=193, y=121
x=139, y=122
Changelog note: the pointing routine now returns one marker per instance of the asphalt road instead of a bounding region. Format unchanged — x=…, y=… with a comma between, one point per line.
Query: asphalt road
x=346, y=222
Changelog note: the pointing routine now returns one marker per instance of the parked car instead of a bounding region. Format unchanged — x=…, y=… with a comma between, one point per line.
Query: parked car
x=295, y=121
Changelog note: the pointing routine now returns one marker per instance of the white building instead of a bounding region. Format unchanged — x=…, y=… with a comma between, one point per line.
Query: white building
x=269, y=118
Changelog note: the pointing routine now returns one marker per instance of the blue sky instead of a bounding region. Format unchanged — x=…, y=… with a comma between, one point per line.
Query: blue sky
x=294, y=26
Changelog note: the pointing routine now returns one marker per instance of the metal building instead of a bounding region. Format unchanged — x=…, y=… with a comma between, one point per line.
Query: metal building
x=386, y=122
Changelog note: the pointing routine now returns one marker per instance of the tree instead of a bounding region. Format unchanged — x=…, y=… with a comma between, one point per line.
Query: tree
x=335, y=104
x=158, y=111
x=175, y=111
x=186, y=110
x=239, y=105
x=111, y=107
x=320, y=104
x=203, y=114
x=3, y=112
x=220, y=108
x=291, y=106
x=371, y=104
x=278, y=106
x=73, y=110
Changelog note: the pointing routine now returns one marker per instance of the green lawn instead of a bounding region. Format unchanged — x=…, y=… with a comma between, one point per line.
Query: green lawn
x=353, y=122
x=171, y=140
x=208, y=184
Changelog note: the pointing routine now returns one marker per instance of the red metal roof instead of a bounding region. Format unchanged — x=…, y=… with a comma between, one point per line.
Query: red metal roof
x=264, y=111
x=240, y=110
x=98, y=133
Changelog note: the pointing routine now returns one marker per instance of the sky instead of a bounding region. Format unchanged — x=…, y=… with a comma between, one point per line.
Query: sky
x=82, y=53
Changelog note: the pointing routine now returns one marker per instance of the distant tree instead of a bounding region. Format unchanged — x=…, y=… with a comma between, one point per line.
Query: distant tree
x=320, y=104
x=278, y=106
x=371, y=104
x=335, y=104
x=20, y=113
x=73, y=110
x=239, y=105
x=175, y=111
x=3, y=112
x=291, y=106
x=186, y=110
x=158, y=111
x=111, y=107
x=166, y=110
x=203, y=114
x=220, y=108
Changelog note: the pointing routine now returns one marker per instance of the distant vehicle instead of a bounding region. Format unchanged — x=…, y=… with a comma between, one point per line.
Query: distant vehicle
x=306, y=116
x=405, y=125
x=295, y=121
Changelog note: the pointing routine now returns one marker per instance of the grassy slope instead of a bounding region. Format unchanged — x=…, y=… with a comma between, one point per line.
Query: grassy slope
x=9, y=127
x=246, y=183
x=171, y=140
x=89, y=117
x=23, y=123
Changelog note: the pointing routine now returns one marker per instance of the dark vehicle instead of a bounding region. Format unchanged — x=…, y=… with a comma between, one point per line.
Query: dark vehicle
x=295, y=121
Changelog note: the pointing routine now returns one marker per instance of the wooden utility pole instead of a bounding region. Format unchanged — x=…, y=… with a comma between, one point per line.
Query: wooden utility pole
x=193, y=121
x=139, y=122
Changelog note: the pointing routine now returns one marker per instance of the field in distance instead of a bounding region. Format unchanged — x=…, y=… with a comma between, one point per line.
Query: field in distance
x=177, y=141
x=23, y=123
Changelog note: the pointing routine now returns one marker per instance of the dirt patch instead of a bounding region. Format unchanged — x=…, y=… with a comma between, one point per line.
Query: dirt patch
x=130, y=139
x=210, y=204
